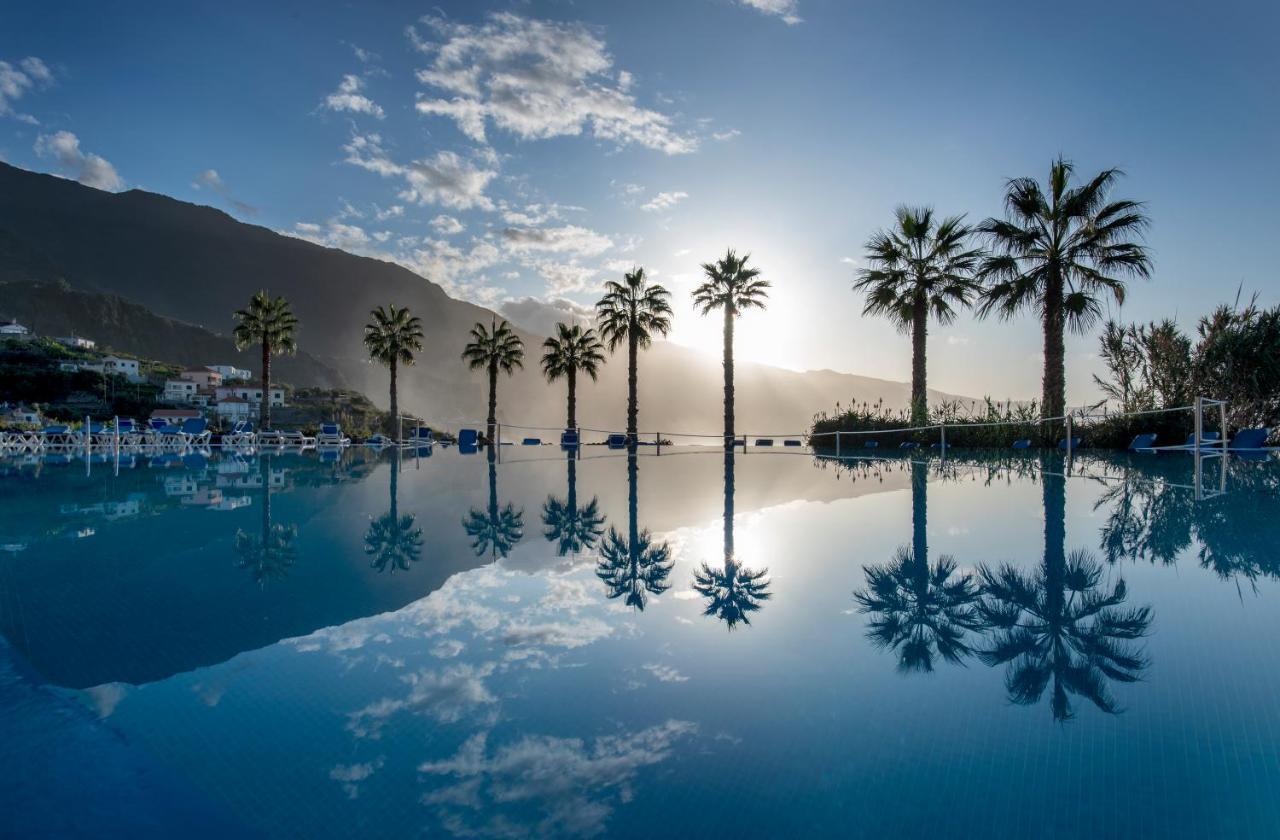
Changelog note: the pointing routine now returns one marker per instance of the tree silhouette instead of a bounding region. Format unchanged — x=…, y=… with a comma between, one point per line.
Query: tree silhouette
x=391, y=338
x=570, y=350
x=633, y=567
x=733, y=592
x=1060, y=629
x=270, y=554
x=573, y=528
x=920, y=610
x=393, y=542
x=269, y=322
x=496, y=530
x=495, y=349
x=633, y=311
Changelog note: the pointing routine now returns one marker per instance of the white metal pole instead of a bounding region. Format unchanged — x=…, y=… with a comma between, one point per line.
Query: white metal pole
x=1222, y=424
x=837, y=443
x=1069, y=441
x=1198, y=428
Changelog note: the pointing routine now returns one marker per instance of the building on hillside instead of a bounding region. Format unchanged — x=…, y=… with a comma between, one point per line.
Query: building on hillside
x=252, y=392
x=128, y=368
x=175, y=415
x=235, y=408
x=232, y=374
x=77, y=342
x=12, y=329
x=19, y=415
x=203, y=377
x=179, y=391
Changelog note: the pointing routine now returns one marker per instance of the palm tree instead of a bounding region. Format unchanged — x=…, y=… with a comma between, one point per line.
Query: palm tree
x=495, y=349
x=1060, y=628
x=1059, y=252
x=393, y=541
x=270, y=554
x=919, y=269
x=918, y=609
x=391, y=338
x=732, y=592
x=267, y=321
x=732, y=287
x=632, y=567
x=633, y=311
x=496, y=530
x=570, y=350
x=573, y=528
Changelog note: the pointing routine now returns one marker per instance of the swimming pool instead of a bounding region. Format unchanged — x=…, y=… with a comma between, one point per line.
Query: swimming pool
x=681, y=644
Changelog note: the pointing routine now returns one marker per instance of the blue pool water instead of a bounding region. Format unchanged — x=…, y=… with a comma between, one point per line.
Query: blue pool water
x=311, y=646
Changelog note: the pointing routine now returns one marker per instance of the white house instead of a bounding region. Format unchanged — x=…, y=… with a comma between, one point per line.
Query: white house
x=251, y=392
x=12, y=329
x=235, y=408
x=179, y=391
x=77, y=341
x=20, y=415
x=232, y=374
x=128, y=368
x=204, y=377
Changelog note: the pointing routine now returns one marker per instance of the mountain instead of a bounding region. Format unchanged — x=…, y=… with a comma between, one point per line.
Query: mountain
x=196, y=265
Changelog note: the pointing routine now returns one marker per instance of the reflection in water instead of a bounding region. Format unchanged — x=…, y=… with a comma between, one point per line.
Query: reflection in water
x=917, y=609
x=270, y=554
x=1060, y=628
x=494, y=531
x=734, y=592
x=633, y=567
x=572, y=528
x=393, y=541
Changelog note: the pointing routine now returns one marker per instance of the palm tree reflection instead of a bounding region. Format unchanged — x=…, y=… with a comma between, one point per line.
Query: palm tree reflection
x=573, y=528
x=494, y=531
x=1061, y=629
x=268, y=555
x=919, y=610
x=393, y=542
x=733, y=592
x=633, y=567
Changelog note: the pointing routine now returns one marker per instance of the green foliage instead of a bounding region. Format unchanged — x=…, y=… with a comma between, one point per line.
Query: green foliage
x=498, y=347
x=393, y=336
x=633, y=310
x=266, y=321
x=731, y=285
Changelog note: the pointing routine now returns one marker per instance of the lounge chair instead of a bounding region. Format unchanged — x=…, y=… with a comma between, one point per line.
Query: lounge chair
x=241, y=434
x=871, y=444
x=59, y=435
x=331, y=435
x=617, y=441
x=531, y=442
x=569, y=439
x=378, y=441
x=468, y=437
x=1206, y=438
x=1143, y=441
x=792, y=442
x=1022, y=443
x=909, y=444
x=1250, y=439
x=764, y=441
x=1075, y=443
x=423, y=436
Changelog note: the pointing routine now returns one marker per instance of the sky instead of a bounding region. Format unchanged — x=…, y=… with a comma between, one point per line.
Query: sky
x=521, y=153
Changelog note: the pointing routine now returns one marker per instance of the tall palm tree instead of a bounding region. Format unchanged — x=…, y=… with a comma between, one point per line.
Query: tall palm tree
x=495, y=349
x=633, y=567
x=732, y=592
x=391, y=338
x=496, y=530
x=1061, y=628
x=570, y=350
x=920, y=268
x=1059, y=252
x=573, y=528
x=393, y=541
x=270, y=554
x=920, y=609
x=730, y=286
x=269, y=322
x=633, y=311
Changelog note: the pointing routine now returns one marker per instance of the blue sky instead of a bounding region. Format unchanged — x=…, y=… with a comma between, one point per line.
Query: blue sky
x=521, y=153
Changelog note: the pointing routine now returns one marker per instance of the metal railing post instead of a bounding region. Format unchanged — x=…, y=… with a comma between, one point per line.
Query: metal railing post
x=1198, y=427
x=1069, y=441
x=1222, y=424
x=837, y=443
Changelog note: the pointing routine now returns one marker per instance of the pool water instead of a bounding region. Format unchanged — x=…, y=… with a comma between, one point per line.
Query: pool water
x=680, y=644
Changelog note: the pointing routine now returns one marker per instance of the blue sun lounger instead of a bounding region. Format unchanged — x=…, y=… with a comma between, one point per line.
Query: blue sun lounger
x=909, y=444
x=569, y=438
x=871, y=444
x=468, y=437
x=616, y=441
x=1075, y=443
x=1142, y=442
x=531, y=442
x=1250, y=439
x=792, y=442
x=1022, y=443
x=764, y=441
x=1206, y=438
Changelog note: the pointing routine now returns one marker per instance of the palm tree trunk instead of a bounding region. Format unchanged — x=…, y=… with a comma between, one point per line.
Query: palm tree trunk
x=920, y=514
x=728, y=378
x=493, y=400
x=395, y=475
x=264, y=411
x=919, y=392
x=395, y=408
x=572, y=476
x=633, y=409
x=571, y=422
x=1054, y=492
x=1054, y=397
x=633, y=506
x=728, y=511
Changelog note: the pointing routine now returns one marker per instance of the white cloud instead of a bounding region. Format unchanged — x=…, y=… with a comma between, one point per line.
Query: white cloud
x=725, y=135
x=565, y=278
x=663, y=201
x=16, y=82
x=210, y=179
x=447, y=225
x=446, y=695
x=536, y=79
x=571, y=239
x=333, y=234
x=664, y=673
x=849, y=261
x=446, y=178
x=351, y=775
x=350, y=97
x=536, y=214
x=787, y=10
x=541, y=316
x=86, y=167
